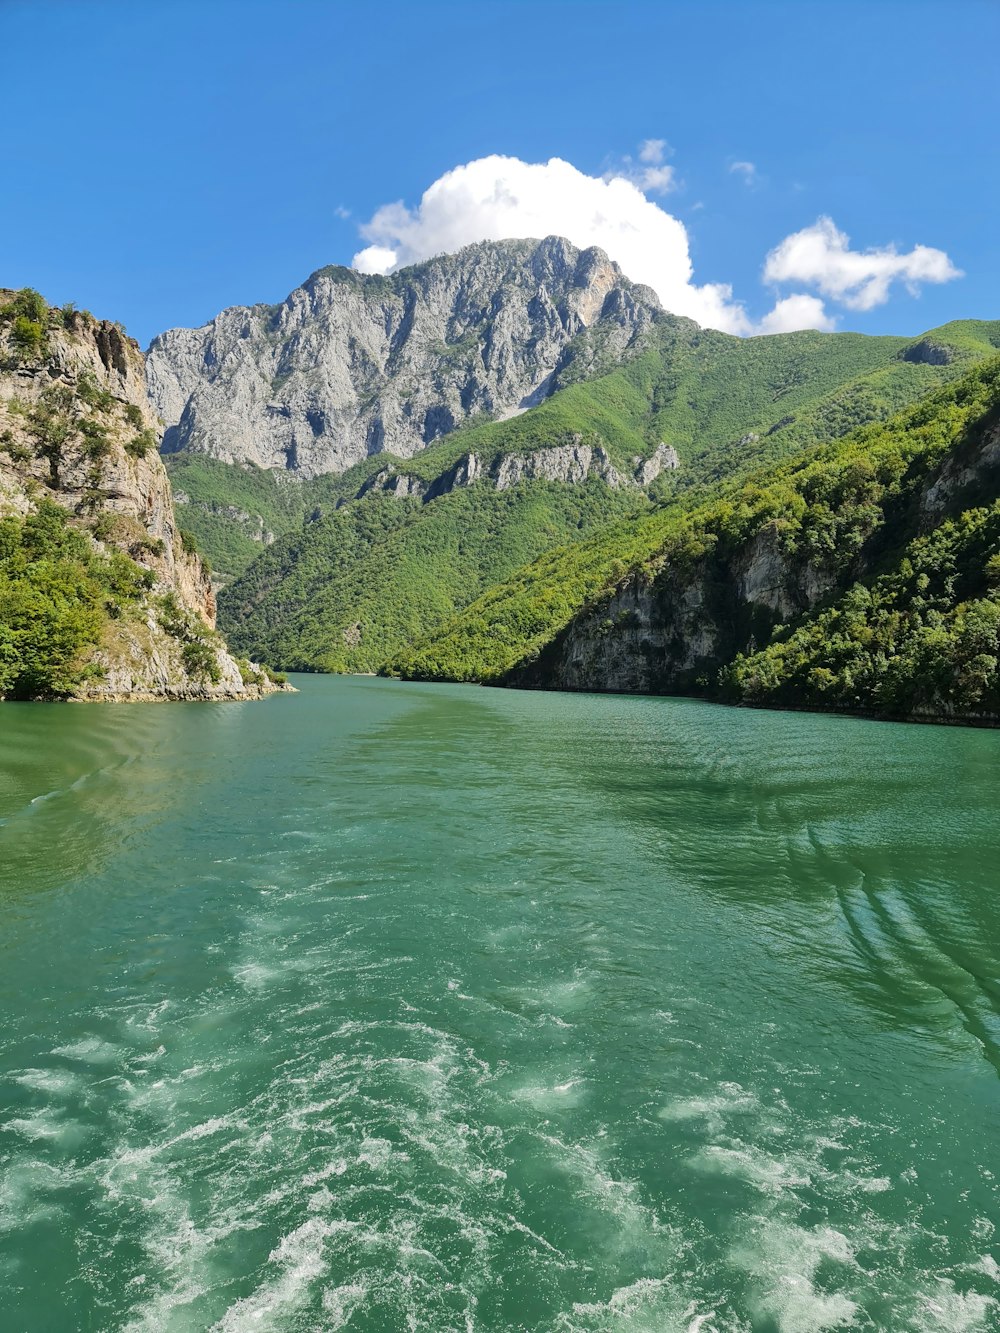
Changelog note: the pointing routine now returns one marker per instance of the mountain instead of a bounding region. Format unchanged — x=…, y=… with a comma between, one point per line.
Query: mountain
x=393, y=547
x=266, y=407
x=101, y=595
x=350, y=365
x=861, y=576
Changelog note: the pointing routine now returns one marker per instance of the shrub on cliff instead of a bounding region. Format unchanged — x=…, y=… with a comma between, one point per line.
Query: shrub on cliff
x=56, y=592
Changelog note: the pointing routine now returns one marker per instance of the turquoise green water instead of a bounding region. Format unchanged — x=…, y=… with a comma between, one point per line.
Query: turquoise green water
x=390, y=1007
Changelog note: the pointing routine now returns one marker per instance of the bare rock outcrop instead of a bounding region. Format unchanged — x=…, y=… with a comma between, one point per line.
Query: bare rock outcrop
x=569, y=464
x=352, y=365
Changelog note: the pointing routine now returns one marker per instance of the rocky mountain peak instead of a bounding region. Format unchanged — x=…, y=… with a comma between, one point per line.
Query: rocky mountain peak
x=351, y=364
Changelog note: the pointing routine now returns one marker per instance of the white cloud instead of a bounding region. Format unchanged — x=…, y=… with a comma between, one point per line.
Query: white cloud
x=655, y=180
x=797, y=312
x=820, y=256
x=376, y=259
x=499, y=198
x=745, y=169
x=654, y=176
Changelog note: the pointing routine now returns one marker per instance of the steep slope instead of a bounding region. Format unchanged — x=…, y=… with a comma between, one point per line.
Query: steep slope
x=723, y=404
x=101, y=596
x=347, y=591
x=862, y=576
x=351, y=365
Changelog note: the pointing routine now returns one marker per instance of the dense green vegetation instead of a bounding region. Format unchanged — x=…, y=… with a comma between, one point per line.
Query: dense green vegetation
x=912, y=618
x=702, y=391
x=513, y=620
x=56, y=594
x=924, y=637
x=355, y=587
x=349, y=590
x=221, y=504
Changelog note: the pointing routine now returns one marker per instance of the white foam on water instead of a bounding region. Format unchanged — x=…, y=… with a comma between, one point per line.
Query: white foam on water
x=988, y=1265
x=713, y=1109
x=255, y=976
x=55, y=1082
x=300, y=1257
x=783, y=1262
x=648, y=1305
x=752, y=1165
x=551, y=1097
x=90, y=1050
x=375, y=1153
x=332, y=1169
x=339, y=1303
x=635, y=1224
x=26, y=1189
x=566, y=996
x=948, y=1310
x=48, y=1125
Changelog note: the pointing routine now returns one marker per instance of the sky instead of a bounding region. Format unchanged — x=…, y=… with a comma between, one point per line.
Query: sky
x=763, y=165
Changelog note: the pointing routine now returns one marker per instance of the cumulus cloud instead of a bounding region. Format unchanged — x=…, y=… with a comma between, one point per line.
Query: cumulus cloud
x=799, y=311
x=499, y=198
x=654, y=176
x=821, y=257
x=378, y=259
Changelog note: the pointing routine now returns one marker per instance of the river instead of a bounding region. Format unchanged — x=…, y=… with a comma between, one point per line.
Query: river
x=400, y=1007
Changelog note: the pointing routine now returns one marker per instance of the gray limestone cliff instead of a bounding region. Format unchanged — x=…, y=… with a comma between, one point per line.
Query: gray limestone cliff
x=571, y=464
x=352, y=365
x=77, y=430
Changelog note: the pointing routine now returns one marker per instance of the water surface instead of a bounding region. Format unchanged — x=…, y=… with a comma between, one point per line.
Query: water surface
x=397, y=1007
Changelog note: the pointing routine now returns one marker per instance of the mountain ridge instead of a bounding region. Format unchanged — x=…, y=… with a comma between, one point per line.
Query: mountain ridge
x=352, y=364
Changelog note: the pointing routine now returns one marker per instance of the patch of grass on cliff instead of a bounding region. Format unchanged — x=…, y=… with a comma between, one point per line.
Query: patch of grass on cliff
x=56, y=594
x=264, y=500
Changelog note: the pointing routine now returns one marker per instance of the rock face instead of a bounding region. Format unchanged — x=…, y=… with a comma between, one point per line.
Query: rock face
x=571, y=464
x=671, y=631
x=655, y=635
x=76, y=428
x=351, y=365
x=928, y=352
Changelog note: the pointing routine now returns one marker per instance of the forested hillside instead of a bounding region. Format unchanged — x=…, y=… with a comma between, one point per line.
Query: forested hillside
x=862, y=575
x=386, y=552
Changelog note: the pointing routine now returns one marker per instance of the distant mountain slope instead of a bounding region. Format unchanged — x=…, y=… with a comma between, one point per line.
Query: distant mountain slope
x=723, y=403
x=351, y=365
x=863, y=576
x=350, y=589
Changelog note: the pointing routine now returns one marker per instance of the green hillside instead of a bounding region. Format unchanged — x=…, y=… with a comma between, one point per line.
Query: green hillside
x=901, y=520
x=701, y=391
x=347, y=591
x=351, y=587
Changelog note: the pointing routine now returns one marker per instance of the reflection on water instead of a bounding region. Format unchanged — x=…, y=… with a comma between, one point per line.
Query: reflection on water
x=387, y=1007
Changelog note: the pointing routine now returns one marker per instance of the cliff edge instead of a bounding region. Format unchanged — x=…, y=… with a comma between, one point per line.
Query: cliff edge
x=101, y=595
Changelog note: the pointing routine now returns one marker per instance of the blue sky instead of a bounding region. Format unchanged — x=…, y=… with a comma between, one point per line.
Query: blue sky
x=165, y=159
